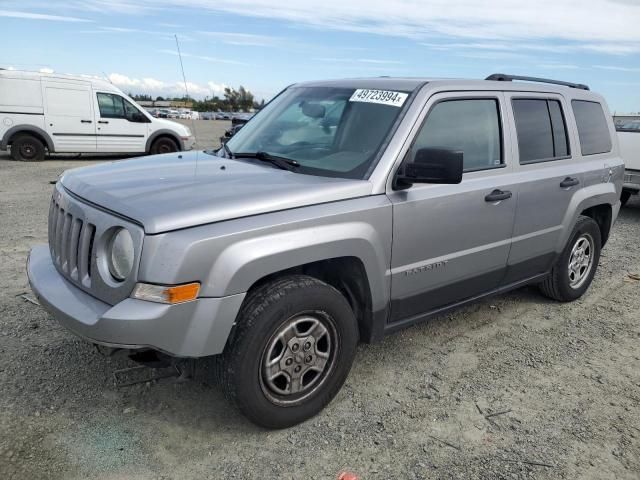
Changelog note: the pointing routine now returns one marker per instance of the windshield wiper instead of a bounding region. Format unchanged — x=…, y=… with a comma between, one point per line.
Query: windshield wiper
x=280, y=162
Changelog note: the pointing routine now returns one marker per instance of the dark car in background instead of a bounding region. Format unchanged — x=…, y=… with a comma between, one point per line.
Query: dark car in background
x=238, y=121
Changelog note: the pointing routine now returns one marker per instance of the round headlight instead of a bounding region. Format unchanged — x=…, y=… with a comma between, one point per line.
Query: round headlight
x=121, y=254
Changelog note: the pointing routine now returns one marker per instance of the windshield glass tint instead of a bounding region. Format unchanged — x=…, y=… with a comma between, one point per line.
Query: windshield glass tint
x=323, y=129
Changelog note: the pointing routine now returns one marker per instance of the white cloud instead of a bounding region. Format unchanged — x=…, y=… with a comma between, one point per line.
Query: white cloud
x=217, y=88
x=559, y=66
x=244, y=39
x=616, y=68
x=158, y=87
x=202, y=57
x=117, y=30
x=372, y=61
x=587, y=21
x=46, y=70
x=40, y=16
x=613, y=48
x=193, y=88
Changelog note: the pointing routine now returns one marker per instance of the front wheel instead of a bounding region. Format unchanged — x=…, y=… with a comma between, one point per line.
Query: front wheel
x=572, y=274
x=291, y=352
x=163, y=145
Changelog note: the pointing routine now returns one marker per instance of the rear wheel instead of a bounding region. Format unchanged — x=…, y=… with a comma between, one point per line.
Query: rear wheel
x=27, y=148
x=163, y=145
x=624, y=197
x=291, y=352
x=573, y=272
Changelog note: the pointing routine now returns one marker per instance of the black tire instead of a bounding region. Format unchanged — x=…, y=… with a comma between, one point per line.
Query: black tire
x=267, y=311
x=624, y=197
x=558, y=284
x=163, y=145
x=27, y=148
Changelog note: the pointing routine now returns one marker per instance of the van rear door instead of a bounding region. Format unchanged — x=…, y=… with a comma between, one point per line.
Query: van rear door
x=69, y=116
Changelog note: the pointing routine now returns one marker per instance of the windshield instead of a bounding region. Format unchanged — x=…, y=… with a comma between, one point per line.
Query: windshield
x=328, y=131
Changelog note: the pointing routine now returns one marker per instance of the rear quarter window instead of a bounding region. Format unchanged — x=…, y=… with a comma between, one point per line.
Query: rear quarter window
x=541, y=130
x=593, y=129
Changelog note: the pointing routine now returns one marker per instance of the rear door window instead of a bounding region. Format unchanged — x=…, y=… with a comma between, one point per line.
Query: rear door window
x=593, y=129
x=541, y=130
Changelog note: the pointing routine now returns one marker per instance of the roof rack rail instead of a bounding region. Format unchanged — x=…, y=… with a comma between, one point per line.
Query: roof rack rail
x=502, y=77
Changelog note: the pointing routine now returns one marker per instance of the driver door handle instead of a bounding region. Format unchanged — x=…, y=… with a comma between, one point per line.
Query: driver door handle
x=569, y=182
x=498, y=195
x=102, y=121
x=85, y=121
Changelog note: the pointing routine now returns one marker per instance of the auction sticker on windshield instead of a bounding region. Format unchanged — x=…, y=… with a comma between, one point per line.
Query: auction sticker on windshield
x=384, y=97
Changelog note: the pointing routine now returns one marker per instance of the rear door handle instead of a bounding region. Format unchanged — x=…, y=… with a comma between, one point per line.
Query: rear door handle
x=498, y=195
x=569, y=182
x=85, y=121
x=102, y=121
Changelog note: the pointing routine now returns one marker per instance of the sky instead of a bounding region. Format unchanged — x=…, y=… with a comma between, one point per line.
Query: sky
x=266, y=45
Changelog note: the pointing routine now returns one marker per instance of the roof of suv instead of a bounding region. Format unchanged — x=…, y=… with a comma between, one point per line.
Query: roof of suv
x=409, y=84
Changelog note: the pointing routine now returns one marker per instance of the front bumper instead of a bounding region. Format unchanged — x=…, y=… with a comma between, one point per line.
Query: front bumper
x=192, y=329
x=188, y=143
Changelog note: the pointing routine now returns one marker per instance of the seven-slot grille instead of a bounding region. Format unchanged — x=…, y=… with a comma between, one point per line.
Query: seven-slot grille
x=71, y=243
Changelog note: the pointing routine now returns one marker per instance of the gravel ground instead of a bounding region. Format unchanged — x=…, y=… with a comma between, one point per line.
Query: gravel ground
x=516, y=386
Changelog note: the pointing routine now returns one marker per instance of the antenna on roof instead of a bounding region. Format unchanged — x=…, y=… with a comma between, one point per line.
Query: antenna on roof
x=186, y=90
x=107, y=77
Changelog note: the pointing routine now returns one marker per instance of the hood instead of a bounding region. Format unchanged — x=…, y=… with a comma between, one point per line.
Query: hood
x=179, y=190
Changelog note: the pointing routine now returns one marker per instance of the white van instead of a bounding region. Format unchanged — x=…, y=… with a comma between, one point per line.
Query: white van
x=54, y=113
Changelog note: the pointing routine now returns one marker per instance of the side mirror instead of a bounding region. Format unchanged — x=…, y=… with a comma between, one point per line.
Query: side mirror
x=431, y=165
x=138, y=118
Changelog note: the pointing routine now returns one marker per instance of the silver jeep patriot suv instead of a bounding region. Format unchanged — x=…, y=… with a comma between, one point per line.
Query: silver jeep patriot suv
x=343, y=211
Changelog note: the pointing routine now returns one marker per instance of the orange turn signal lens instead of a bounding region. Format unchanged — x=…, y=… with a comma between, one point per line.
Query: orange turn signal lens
x=182, y=293
x=166, y=294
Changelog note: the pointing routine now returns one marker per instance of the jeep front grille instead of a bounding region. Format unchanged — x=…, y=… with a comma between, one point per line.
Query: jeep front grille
x=71, y=242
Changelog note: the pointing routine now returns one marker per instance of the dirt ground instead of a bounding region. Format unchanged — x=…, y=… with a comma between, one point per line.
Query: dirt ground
x=516, y=386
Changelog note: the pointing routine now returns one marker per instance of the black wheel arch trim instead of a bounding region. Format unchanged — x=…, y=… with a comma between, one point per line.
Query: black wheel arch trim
x=17, y=129
x=164, y=133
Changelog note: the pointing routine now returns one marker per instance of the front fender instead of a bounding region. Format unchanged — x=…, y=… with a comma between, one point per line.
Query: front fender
x=167, y=133
x=229, y=257
x=240, y=265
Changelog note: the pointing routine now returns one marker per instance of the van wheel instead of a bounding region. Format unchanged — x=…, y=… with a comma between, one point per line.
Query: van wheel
x=573, y=272
x=27, y=148
x=624, y=197
x=291, y=351
x=163, y=145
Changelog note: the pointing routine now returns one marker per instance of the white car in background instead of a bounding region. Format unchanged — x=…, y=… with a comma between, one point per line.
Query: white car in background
x=629, y=139
x=50, y=113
